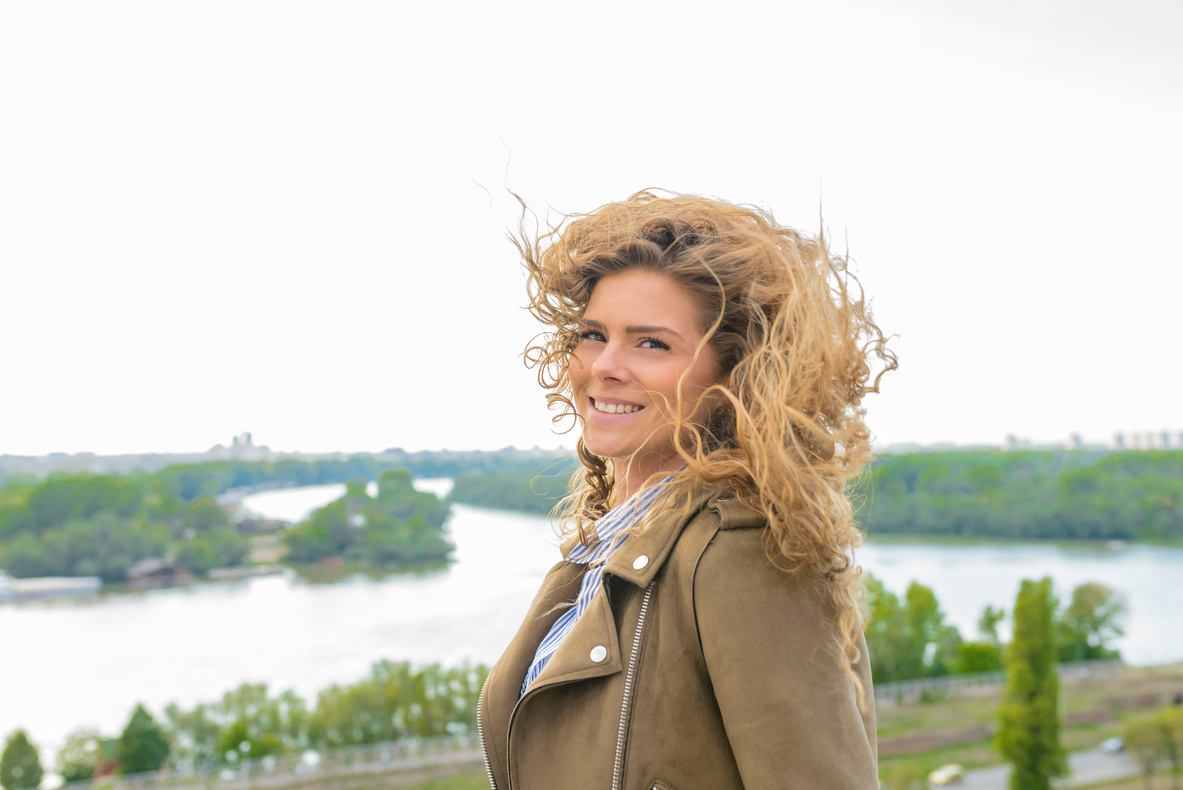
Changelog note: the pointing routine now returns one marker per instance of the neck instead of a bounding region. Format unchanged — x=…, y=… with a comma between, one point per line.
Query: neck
x=630, y=475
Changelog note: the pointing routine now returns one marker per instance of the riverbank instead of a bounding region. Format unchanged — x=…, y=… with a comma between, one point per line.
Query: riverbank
x=973, y=540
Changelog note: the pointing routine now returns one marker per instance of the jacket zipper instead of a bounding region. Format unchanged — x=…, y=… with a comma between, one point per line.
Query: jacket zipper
x=480, y=733
x=626, y=704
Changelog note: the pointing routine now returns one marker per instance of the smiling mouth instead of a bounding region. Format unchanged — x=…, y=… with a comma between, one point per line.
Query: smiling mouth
x=614, y=408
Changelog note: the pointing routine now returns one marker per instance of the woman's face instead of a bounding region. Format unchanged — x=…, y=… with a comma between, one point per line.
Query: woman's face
x=639, y=334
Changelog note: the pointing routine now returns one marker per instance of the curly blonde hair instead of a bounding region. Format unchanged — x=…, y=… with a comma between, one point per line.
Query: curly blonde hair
x=795, y=343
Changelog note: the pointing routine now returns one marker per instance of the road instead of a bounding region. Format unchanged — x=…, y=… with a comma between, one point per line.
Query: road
x=1087, y=768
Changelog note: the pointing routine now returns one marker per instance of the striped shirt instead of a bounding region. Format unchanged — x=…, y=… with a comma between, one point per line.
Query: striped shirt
x=609, y=534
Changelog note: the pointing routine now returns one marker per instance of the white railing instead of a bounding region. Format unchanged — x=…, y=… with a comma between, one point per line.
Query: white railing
x=288, y=769
x=962, y=685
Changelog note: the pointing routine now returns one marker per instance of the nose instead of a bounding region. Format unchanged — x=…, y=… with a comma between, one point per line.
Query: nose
x=610, y=365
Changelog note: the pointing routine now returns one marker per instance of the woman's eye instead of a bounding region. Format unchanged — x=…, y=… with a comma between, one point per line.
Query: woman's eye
x=591, y=334
x=654, y=343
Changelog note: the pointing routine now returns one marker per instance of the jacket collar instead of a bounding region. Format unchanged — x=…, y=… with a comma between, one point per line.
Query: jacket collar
x=641, y=555
x=637, y=561
x=665, y=526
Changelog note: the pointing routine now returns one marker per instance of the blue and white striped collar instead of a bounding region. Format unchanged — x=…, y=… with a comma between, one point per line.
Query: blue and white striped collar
x=610, y=527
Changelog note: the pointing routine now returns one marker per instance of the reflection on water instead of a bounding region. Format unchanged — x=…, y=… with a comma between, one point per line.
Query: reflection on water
x=335, y=574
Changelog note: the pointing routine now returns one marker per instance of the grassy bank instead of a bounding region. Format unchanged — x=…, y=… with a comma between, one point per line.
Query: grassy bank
x=1093, y=709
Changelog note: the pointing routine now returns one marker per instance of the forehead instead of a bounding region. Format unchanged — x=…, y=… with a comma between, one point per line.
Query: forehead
x=645, y=297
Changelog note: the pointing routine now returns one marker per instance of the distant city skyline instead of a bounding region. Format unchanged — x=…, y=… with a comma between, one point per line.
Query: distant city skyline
x=241, y=446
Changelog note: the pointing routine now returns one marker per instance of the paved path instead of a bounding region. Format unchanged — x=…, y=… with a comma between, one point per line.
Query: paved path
x=1087, y=768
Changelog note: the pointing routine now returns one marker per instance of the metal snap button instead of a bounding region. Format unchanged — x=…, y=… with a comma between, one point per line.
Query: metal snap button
x=599, y=653
x=640, y=562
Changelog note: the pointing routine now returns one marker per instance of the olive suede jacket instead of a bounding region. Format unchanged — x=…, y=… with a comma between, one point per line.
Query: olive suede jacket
x=702, y=666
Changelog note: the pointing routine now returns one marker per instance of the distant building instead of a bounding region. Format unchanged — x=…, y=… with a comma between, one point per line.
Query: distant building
x=242, y=448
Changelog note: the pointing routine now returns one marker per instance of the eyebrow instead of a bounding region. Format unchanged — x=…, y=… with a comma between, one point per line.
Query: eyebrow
x=635, y=329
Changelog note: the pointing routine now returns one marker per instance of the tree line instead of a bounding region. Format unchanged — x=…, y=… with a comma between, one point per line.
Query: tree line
x=1032, y=495
x=1044, y=495
x=530, y=485
x=394, y=701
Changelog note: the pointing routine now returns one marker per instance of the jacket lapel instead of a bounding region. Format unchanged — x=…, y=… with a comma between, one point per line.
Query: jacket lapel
x=591, y=649
x=641, y=555
x=504, y=690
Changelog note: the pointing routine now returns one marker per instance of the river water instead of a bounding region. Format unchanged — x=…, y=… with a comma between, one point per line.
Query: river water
x=87, y=661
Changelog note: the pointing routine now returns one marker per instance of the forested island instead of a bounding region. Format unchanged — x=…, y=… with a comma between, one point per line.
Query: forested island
x=107, y=526
x=102, y=525
x=1028, y=495
x=397, y=526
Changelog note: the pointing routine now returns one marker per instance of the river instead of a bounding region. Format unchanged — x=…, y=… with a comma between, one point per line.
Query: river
x=87, y=661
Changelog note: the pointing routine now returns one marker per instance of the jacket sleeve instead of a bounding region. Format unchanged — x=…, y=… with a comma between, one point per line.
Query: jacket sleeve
x=769, y=641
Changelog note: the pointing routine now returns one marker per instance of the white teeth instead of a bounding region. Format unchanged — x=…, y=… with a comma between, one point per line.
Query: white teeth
x=615, y=408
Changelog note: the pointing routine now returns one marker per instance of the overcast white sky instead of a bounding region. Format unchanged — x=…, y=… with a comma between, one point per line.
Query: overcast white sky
x=289, y=217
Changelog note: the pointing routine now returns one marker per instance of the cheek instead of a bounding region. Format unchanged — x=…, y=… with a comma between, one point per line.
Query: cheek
x=693, y=391
x=578, y=373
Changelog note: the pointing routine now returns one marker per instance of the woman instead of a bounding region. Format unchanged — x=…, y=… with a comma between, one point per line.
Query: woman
x=701, y=630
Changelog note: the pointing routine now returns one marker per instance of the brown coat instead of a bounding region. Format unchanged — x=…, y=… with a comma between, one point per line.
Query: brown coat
x=734, y=681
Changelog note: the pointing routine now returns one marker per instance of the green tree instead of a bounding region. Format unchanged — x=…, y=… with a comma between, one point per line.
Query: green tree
x=977, y=657
x=1029, y=720
x=908, y=639
x=143, y=746
x=1093, y=619
x=1170, y=724
x=203, y=515
x=196, y=734
x=988, y=623
x=267, y=725
x=1144, y=742
x=20, y=765
x=196, y=556
x=79, y=756
x=396, y=701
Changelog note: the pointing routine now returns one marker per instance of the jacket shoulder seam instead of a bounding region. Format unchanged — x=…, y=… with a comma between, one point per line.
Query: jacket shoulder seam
x=694, y=593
